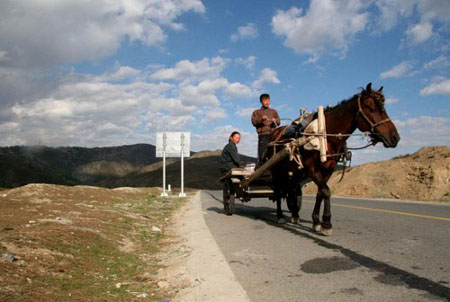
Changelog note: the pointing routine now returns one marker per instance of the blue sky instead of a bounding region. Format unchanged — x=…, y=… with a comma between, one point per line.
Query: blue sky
x=104, y=73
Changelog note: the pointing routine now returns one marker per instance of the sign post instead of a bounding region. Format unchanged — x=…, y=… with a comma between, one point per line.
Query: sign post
x=182, y=194
x=164, y=193
x=173, y=144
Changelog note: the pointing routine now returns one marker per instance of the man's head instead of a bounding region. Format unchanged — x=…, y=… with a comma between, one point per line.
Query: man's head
x=235, y=137
x=265, y=100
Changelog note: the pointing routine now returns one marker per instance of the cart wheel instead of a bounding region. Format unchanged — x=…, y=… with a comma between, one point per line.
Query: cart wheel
x=228, y=197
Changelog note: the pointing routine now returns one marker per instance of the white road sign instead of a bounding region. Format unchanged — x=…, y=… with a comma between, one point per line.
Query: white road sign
x=173, y=143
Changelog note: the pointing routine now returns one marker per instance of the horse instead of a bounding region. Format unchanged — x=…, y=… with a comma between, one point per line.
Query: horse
x=364, y=111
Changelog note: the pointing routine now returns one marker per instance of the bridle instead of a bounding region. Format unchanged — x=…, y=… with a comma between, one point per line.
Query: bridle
x=372, y=125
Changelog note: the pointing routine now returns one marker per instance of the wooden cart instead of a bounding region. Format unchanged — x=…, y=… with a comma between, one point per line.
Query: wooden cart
x=236, y=183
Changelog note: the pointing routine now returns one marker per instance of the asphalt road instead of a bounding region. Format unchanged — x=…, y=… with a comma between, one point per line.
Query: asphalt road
x=379, y=250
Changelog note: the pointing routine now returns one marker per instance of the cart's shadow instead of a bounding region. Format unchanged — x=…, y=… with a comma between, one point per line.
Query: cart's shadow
x=266, y=214
x=385, y=270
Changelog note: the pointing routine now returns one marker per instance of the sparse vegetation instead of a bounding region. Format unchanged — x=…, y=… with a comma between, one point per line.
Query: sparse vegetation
x=83, y=243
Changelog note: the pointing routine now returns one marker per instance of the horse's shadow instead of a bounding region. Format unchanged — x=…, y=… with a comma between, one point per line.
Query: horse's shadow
x=387, y=271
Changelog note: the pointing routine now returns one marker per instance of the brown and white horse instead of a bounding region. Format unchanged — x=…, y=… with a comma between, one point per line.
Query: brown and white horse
x=364, y=111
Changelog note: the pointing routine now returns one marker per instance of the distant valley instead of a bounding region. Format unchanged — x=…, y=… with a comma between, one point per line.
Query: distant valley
x=131, y=165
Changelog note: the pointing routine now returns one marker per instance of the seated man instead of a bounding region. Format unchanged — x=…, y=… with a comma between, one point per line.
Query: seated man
x=229, y=158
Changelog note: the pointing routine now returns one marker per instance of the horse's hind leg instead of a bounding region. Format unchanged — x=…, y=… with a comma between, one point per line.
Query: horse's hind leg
x=292, y=201
x=280, y=216
x=278, y=179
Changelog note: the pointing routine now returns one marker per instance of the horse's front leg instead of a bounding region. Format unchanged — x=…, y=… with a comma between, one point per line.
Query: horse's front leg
x=316, y=212
x=326, y=217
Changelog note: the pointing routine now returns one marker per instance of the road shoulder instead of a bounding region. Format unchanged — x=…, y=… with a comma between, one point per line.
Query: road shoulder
x=206, y=267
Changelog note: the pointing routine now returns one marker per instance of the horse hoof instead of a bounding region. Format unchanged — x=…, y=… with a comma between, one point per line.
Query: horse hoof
x=294, y=220
x=281, y=220
x=317, y=228
x=327, y=232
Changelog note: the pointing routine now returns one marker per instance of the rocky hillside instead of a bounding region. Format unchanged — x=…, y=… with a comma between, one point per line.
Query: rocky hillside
x=424, y=175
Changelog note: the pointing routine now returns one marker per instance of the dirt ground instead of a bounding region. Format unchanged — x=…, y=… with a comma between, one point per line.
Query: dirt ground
x=60, y=243
x=424, y=176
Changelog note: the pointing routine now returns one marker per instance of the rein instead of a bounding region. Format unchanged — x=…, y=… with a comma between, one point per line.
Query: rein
x=343, y=156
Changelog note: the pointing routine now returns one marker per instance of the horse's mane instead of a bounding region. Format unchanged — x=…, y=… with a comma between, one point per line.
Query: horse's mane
x=378, y=97
x=341, y=103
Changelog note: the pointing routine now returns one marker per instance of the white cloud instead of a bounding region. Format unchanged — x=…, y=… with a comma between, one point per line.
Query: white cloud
x=247, y=32
x=214, y=115
x=204, y=94
x=419, y=33
x=120, y=106
x=398, y=70
x=435, y=10
x=218, y=138
x=124, y=73
x=267, y=75
x=192, y=96
x=424, y=131
x=238, y=90
x=161, y=122
x=440, y=62
x=90, y=111
x=390, y=12
x=249, y=62
x=185, y=69
x=326, y=25
x=439, y=86
x=48, y=33
x=245, y=112
x=3, y=56
x=390, y=101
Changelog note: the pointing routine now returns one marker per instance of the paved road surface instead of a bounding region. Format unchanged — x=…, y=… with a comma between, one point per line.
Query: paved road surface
x=379, y=250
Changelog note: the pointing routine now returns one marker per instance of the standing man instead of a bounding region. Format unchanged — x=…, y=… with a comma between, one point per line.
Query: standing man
x=265, y=120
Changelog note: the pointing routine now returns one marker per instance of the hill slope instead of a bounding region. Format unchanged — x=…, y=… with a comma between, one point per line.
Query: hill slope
x=423, y=175
x=201, y=171
x=21, y=165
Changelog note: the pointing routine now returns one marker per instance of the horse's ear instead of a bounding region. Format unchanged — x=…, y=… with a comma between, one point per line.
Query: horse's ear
x=369, y=87
x=380, y=90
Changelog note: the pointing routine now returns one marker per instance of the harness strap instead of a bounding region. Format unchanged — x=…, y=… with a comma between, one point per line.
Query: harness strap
x=372, y=125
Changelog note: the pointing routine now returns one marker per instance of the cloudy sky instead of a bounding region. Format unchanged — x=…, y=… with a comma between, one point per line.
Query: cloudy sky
x=115, y=72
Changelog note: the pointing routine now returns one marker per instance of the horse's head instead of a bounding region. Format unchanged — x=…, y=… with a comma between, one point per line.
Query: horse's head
x=372, y=117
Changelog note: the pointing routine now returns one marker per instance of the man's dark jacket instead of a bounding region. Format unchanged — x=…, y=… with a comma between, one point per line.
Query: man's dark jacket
x=229, y=158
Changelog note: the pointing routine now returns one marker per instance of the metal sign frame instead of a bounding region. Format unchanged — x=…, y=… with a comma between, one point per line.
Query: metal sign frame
x=173, y=144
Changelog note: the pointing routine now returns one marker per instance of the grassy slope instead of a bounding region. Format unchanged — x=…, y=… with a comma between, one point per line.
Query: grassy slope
x=78, y=243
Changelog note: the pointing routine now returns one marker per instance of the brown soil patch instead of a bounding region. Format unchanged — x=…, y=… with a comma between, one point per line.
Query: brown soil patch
x=424, y=175
x=82, y=243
